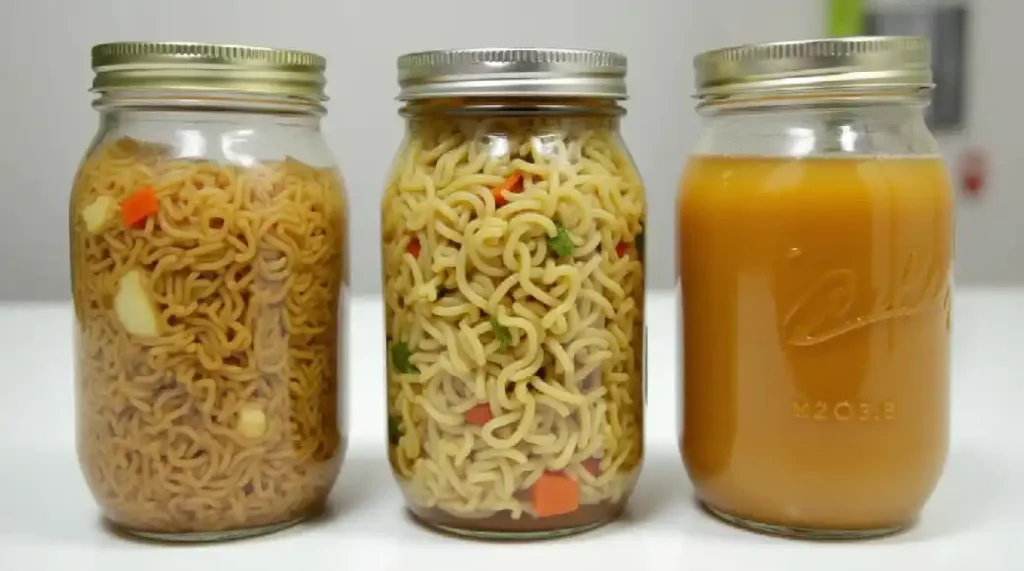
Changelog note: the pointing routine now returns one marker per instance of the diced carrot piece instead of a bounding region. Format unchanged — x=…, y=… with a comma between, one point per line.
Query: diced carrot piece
x=620, y=249
x=139, y=205
x=593, y=465
x=414, y=248
x=555, y=494
x=512, y=183
x=479, y=415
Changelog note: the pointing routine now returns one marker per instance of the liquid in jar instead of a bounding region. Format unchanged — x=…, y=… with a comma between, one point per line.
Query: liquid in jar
x=816, y=317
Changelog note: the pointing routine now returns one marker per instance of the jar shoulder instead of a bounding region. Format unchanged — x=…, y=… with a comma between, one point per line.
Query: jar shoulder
x=895, y=131
x=564, y=140
x=472, y=153
x=179, y=152
x=227, y=139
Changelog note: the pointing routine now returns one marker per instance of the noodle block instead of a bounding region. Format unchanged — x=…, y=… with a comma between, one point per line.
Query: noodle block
x=513, y=299
x=133, y=306
x=98, y=213
x=252, y=422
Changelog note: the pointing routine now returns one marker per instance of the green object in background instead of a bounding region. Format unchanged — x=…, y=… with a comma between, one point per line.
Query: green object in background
x=845, y=18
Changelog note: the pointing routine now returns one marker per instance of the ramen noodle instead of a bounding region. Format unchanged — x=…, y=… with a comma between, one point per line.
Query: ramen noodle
x=513, y=286
x=207, y=305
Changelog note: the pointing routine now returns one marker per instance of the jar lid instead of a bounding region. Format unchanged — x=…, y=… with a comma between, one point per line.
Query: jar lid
x=519, y=72
x=860, y=63
x=208, y=67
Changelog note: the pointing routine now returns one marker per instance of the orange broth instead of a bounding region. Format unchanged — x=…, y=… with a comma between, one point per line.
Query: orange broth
x=816, y=337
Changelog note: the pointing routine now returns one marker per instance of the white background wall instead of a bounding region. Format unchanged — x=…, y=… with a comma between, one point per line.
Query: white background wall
x=47, y=121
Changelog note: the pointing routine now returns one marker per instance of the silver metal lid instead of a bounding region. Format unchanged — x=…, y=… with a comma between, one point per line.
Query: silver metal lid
x=208, y=67
x=519, y=72
x=861, y=63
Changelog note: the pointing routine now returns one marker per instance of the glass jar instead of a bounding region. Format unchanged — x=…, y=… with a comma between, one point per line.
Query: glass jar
x=815, y=232
x=513, y=290
x=209, y=276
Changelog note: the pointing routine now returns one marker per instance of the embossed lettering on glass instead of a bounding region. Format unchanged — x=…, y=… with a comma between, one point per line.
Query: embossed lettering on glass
x=815, y=231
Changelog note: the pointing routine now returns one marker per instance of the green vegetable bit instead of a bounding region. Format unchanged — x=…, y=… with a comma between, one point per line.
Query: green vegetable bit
x=400, y=354
x=640, y=242
x=560, y=242
x=501, y=332
x=394, y=433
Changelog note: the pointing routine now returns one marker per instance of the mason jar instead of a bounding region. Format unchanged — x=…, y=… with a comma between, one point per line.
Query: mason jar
x=815, y=230
x=209, y=277
x=513, y=280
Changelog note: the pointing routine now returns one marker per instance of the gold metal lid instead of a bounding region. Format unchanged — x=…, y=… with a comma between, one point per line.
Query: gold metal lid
x=513, y=72
x=835, y=64
x=208, y=67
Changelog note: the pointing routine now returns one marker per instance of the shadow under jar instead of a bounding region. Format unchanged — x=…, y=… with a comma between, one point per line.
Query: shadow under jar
x=816, y=247
x=513, y=288
x=208, y=235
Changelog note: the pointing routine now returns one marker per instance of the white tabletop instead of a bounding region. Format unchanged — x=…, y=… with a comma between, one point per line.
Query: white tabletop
x=973, y=523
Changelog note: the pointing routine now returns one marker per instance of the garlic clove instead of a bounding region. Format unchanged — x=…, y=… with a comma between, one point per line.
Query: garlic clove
x=252, y=421
x=133, y=307
x=98, y=213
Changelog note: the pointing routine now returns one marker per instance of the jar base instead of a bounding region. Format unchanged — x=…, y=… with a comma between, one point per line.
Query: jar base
x=476, y=532
x=209, y=536
x=803, y=532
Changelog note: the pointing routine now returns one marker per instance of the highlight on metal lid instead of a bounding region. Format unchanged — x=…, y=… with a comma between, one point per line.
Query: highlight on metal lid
x=519, y=72
x=851, y=63
x=208, y=67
